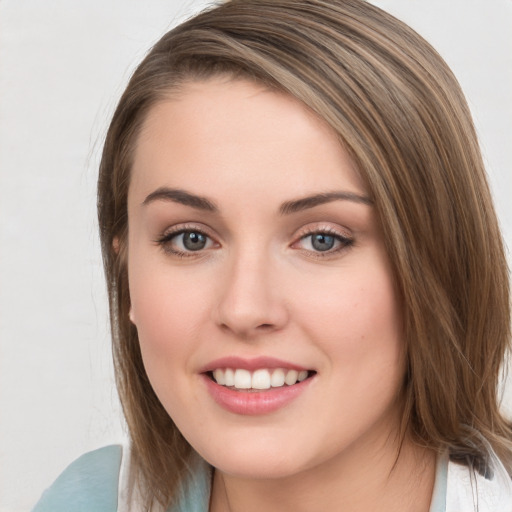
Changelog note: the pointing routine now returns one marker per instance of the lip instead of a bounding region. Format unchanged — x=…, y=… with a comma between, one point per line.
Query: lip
x=253, y=403
x=251, y=364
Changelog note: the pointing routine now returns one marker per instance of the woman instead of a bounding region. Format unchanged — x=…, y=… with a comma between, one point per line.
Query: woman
x=308, y=290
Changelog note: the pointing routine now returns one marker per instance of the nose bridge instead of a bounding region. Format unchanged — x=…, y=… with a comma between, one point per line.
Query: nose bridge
x=250, y=301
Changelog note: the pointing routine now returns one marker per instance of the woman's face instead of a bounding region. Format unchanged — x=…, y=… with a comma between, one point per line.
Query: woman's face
x=255, y=257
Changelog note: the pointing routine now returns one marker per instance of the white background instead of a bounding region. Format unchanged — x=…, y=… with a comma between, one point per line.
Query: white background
x=63, y=65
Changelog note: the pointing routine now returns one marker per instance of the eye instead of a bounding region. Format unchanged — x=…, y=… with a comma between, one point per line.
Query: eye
x=185, y=241
x=192, y=241
x=323, y=242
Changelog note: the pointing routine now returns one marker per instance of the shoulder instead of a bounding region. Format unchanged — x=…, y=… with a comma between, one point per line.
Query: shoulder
x=467, y=490
x=89, y=483
x=103, y=481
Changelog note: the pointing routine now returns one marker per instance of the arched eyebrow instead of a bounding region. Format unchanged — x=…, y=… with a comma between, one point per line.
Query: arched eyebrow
x=305, y=203
x=180, y=196
x=202, y=203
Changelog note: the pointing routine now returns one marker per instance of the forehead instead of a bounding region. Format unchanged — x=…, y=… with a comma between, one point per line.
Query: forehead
x=224, y=131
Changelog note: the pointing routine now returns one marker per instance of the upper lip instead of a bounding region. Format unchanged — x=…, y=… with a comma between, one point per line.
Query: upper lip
x=251, y=364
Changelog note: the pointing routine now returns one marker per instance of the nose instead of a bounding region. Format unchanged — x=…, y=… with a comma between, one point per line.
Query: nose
x=251, y=301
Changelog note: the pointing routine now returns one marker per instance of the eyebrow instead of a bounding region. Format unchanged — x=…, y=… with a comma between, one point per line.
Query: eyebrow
x=318, y=199
x=202, y=203
x=180, y=196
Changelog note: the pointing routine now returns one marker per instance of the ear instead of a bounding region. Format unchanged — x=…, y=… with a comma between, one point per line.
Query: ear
x=115, y=245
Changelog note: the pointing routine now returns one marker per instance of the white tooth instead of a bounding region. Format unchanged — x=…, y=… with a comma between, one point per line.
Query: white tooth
x=302, y=375
x=291, y=377
x=242, y=379
x=261, y=379
x=218, y=375
x=277, y=379
x=229, y=377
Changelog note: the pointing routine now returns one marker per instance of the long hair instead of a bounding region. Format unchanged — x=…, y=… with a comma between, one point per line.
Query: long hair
x=399, y=111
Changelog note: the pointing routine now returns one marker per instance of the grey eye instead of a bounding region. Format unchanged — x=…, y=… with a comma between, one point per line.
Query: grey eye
x=185, y=242
x=322, y=242
x=193, y=241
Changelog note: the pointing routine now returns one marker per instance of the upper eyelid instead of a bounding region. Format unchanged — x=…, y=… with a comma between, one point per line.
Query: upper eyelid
x=183, y=228
x=310, y=230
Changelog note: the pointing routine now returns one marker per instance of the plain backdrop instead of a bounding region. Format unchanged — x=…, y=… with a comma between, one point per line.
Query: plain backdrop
x=63, y=65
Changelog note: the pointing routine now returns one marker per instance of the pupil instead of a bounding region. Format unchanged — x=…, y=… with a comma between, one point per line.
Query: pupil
x=194, y=241
x=322, y=242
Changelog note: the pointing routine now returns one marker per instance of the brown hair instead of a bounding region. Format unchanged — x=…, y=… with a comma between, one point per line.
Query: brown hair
x=399, y=111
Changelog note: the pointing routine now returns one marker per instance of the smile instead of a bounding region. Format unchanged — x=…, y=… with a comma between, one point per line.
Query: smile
x=255, y=386
x=260, y=379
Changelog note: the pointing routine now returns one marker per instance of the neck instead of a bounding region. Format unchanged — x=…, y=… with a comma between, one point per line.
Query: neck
x=397, y=480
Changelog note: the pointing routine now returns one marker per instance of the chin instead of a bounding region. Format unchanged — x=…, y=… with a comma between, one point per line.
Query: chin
x=269, y=459
x=261, y=468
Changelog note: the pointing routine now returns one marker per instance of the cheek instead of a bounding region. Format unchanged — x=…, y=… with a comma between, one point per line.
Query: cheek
x=356, y=319
x=355, y=305
x=166, y=312
x=167, y=308
x=359, y=328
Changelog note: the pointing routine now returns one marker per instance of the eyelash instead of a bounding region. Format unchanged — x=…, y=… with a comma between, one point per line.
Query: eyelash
x=344, y=242
x=164, y=241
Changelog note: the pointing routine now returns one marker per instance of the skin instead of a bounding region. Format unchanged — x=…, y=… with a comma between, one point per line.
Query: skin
x=259, y=287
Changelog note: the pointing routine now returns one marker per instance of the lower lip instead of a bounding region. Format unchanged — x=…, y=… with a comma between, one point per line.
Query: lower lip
x=252, y=403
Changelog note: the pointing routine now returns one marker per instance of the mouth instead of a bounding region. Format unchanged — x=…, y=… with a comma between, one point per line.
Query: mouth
x=241, y=379
x=256, y=386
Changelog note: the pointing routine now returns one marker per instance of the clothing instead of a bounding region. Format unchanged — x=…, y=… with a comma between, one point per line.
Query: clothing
x=100, y=481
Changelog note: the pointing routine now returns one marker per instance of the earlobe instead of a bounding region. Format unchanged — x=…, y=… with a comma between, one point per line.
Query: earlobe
x=131, y=316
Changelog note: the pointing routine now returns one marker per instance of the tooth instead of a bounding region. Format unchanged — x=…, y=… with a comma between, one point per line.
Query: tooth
x=277, y=379
x=242, y=379
x=229, y=377
x=218, y=375
x=261, y=379
x=291, y=377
